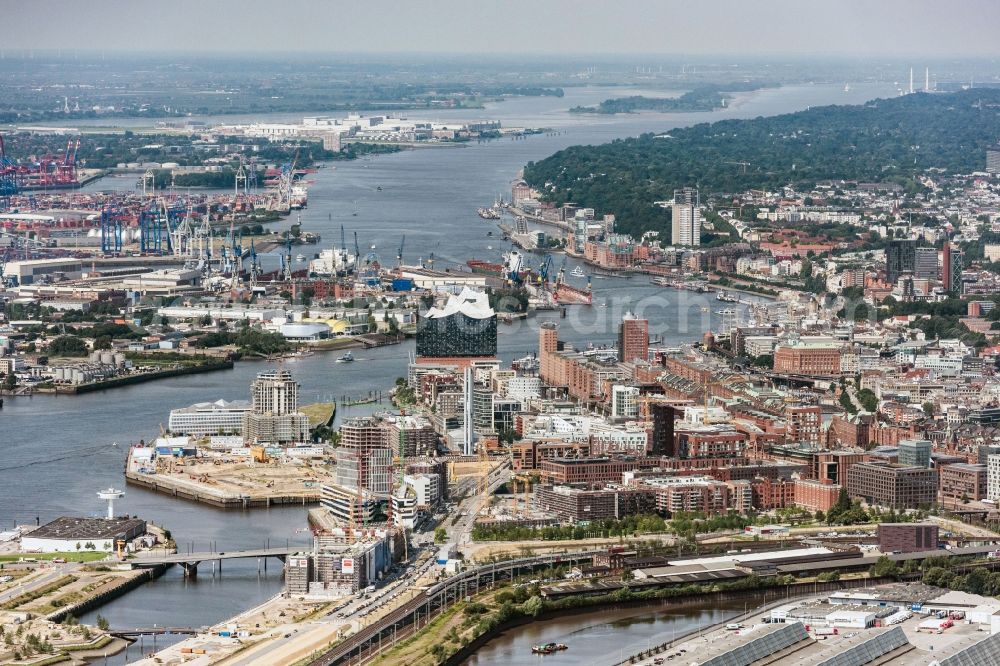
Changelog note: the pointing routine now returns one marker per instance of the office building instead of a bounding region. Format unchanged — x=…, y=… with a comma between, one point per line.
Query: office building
x=895, y=486
x=807, y=358
x=952, y=265
x=900, y=259
x=633, y=338
x=993, y=161
x=915, y=452
x=466, y=327
x=209, y=418
x=926, y=263
x=962, y=482
x=685, y=221
x=662, y=439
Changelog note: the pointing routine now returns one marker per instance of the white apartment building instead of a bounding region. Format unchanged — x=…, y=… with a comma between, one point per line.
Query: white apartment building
x=993, y=477
x=209, y=418
x=624, y=402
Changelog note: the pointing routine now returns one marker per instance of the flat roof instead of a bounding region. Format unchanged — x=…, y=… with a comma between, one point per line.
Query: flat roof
x=67, y=527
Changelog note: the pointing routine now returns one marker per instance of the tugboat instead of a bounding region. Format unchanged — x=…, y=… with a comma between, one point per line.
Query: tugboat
x=346, y=358
x=548, y=648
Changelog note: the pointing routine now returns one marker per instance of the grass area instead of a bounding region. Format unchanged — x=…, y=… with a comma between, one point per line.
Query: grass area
x=320, y=413
x=75, y=556
x=28, y=597
x=333, y=343
x=95, y=644
x=74, y=597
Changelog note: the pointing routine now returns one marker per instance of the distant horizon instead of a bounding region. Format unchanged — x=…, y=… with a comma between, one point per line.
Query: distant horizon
x=588, y=28
x=26, y=53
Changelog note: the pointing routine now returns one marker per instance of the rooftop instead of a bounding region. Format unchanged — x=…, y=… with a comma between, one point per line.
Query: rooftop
x=70, y=528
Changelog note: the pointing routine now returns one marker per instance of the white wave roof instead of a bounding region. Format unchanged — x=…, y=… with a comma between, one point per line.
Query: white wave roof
x=473, y=304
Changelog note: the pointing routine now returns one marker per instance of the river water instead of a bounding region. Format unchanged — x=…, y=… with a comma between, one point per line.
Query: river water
x=602, y=637
x=59, y=451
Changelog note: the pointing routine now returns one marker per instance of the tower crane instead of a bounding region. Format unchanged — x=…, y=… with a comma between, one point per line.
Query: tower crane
x=544, y=269
x=399, y=254
x=343, y=248
x=357, y=253
x=743, y=166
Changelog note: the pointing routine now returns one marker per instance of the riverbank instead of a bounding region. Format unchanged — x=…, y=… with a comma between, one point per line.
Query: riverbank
x=130, y=380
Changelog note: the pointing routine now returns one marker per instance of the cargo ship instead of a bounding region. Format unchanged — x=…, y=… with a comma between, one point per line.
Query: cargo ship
x=566, y=294
x=485, y=267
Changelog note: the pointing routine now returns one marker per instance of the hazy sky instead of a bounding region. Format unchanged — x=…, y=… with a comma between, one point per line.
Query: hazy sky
x=750, y=27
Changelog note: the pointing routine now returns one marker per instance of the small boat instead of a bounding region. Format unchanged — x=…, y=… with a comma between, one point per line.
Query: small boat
x=577, y=272
x=379, y=188
x=346, y=358
x=704, y=309
x=548, y=648
x=300, y=257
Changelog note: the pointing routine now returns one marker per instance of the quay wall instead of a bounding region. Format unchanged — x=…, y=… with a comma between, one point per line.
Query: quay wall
x=216, y=499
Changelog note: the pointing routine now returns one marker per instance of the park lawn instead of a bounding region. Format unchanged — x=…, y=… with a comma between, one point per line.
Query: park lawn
x=77, y=556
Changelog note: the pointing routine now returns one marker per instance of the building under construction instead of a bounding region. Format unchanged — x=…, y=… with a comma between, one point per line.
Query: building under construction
x=342, y=564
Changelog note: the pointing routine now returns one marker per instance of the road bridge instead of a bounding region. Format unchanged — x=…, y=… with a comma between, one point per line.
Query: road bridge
x=190, y=561
x=155, y=631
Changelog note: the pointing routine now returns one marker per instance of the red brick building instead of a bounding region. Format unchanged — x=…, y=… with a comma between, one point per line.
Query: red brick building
x=816, y=495
x=804, y=424
x=807, y=359
x=633, y=338
x=907, y=537
x=961, y=482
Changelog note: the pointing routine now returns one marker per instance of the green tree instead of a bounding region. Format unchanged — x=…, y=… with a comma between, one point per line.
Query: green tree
x=440, y=535
x=68, y=345
x=884, y=567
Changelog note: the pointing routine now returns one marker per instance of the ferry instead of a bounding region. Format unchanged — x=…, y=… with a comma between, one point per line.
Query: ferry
x=346, y=358
x=525, y=364
x=548, y=648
